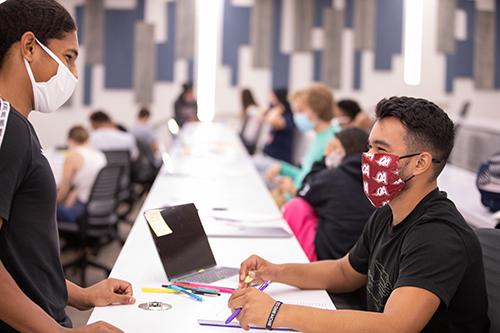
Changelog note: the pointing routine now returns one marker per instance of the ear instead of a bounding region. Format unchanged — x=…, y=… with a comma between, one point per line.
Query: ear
x=423, y=163
x=27, y=45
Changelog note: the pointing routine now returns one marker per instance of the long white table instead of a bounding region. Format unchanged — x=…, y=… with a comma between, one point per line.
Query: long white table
x=210, y=168
x=460, y=184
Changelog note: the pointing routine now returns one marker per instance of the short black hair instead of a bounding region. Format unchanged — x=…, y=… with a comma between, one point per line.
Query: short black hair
x=188, y=86
x=144, y=113
x=46, y=19
x=349, y=107
x=428, y=126
x=100, y=117
x=354, y=140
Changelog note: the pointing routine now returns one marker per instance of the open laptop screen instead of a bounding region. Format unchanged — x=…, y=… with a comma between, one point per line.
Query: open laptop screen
x=186, y=249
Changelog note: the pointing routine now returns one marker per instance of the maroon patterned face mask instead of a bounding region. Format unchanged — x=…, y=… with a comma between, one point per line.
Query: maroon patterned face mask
x=381, y=180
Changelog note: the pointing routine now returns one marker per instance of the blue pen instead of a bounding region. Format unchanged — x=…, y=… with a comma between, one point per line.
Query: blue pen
x=237, y=311
x=185, y=292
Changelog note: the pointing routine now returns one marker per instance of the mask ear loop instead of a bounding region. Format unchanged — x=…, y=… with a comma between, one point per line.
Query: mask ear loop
x=56, y=59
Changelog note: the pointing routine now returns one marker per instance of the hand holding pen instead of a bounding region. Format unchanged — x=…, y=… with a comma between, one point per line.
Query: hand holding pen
x=238, y=310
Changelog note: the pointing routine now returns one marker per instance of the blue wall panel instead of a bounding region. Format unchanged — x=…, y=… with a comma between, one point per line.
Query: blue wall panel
x=236, y=32
x=497, y=47
x=349, y=14
x=166, y=51
x=79, y=13
x=87, y=85
x=317, y=55
x=460, y=64
x=319, y=5
x=388, y=32
x=358, y=57
x=119, y=46
x=281, y=61
x=190, y=70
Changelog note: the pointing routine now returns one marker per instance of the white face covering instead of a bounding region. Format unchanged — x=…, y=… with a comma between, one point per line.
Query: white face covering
x=51, y=95
x=334, y=159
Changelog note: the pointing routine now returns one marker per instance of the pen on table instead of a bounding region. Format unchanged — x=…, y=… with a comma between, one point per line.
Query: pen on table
x=198, y=291
x=237, y=311
x=185, y=292
x=206, y=286
x=159, y=291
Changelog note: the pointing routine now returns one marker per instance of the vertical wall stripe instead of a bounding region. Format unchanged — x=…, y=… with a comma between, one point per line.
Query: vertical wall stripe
x=319, y=6
x=460, y=63
x=349, y=13
x=304, y=17
x=119, y=46
x=87, y=85
x=484, y=50
x=166, y=51
x=79, y=17
x=185, y=25
x=389, y=32
x=190, y=75
x=317, y=55
x=261, y=27
x=236, y=32
x=331, y=68
x=280, y=61
x=144, y=62
x=497, y=46
x=94, y=30
x=358, y=59
x=446, y=26
x=364, y=24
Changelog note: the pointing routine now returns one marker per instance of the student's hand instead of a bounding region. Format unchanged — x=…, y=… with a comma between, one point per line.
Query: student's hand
x=255, y=307
x=110, y=291
x=258, y=269
x=286, y=185
x=98, y=327
x=273, y=171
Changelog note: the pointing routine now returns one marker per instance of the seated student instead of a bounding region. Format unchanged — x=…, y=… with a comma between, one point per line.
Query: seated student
x=81, y=166
x=419, y=260
x=105, y=136
x=316, y=115
x=348, y=113
x=185, y=106
x=251, y=117
x=331, y=209
x=144, y=133
x=279, y=142
x=38, y=52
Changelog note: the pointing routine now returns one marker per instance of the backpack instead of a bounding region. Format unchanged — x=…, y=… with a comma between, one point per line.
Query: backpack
x=488, y=183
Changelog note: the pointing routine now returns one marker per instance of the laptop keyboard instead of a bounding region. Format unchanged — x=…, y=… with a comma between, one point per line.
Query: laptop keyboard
x=212, y=275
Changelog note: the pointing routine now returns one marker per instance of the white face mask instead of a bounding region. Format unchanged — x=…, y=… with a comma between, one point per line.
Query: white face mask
x=334, y=159
x=51, y=95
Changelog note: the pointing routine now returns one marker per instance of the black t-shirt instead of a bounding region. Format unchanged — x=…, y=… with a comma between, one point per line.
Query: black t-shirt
x=341, y=217
x=433, y=249
x=29, y=243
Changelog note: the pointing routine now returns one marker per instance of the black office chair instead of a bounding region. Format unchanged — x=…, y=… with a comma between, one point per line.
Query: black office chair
x=121, y=158
x=490, y=243
x=144, y=170
x=98, y=224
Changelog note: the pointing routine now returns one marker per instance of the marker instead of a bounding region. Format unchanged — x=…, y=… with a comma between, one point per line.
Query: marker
x=159, y=291
x=205, y=286
x=198, y=291
x=185, y=292
x=237, y=311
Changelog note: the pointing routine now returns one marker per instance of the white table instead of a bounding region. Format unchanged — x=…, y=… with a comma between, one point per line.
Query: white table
x=460, y=184
x=224, y=176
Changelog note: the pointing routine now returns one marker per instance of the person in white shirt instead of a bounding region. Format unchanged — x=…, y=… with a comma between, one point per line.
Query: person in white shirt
x=106, y=136
x=81, y=167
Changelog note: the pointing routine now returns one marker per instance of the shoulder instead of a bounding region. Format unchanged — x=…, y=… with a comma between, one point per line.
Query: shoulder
x=14, y=130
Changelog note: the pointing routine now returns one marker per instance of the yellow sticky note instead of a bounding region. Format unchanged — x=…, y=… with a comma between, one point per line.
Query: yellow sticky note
x=157, y=223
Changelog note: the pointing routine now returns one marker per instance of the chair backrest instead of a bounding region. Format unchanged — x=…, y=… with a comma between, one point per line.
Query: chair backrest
x=120, y=158
x=490, y=243
x=104, y=194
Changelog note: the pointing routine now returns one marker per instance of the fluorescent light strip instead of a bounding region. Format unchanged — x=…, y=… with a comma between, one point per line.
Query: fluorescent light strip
x=414, y=15
x=208, y=16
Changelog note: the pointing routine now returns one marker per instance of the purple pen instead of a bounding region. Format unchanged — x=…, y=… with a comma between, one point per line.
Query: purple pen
x=237, y=311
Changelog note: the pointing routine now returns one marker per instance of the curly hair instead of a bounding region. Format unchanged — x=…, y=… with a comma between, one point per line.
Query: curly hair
x=47, y=19
x=428, y=126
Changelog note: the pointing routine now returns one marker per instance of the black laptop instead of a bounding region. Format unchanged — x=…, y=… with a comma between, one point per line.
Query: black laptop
x=185, y=253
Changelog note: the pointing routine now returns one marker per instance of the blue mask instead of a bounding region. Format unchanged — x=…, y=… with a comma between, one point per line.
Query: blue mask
x=303, y=122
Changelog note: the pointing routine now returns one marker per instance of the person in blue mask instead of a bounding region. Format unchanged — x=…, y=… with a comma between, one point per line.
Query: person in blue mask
x=315, y=115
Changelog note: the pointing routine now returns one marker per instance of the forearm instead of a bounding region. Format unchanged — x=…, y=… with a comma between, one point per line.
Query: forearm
x=289, y=170
x=77, y=296
x=16, y=307
x=325, y=274
x=312, y=320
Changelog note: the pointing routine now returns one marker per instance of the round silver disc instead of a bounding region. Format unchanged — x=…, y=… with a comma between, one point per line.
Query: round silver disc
x=155, y=306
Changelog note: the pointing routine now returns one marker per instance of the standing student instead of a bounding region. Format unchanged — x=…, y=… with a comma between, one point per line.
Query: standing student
x=38, y=50
x=420, y=262
x=81, y=166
